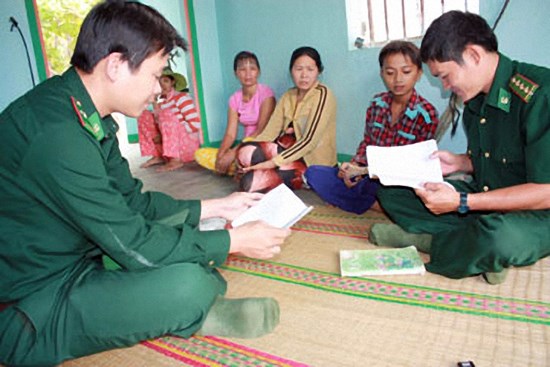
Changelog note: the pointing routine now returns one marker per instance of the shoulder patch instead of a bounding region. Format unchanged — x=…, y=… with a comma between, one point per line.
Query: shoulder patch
x=523, y=87
x=91, y=123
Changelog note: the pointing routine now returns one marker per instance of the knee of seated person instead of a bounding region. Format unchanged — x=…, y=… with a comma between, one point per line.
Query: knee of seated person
x=187, y=286
x=312, y=172
x=244, y=154
x=499, y=238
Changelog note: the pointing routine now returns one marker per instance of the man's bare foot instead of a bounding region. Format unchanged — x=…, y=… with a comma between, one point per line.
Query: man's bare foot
x=172, y=165
x=152, y=162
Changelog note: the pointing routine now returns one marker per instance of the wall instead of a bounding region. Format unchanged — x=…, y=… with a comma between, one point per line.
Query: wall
x=272, y=29
x=14, y=67
x=523, y=31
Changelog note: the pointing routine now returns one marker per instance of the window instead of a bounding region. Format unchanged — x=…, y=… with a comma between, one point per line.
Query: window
x=375, y=22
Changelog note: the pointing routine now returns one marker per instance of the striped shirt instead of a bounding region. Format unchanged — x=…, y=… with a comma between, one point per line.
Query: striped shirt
x=183, y=108
x=314, y=124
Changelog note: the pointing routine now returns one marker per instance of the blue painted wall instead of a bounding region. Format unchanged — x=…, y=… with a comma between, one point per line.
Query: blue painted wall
x=14, y=68
x=272, y=29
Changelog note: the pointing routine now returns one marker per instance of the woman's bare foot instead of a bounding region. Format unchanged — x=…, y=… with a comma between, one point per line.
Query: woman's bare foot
x=152, y=162
x=172, y=165
x=376, y=207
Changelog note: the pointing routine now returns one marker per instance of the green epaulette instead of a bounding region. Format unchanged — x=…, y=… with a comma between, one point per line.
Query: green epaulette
x=523, y=87
x=91, y=123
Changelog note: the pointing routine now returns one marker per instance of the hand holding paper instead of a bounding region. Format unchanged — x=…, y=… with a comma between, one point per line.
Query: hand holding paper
x=280, y=208
x=257, y=239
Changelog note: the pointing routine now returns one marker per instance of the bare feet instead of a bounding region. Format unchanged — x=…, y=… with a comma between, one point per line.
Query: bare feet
x=152, y=162
x=376, y=207
x=172, y=165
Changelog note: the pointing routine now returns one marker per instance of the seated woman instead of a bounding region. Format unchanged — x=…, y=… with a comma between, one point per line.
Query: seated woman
x=399, y=116
x=252, y=105
x=300, y=132
x=171, y=133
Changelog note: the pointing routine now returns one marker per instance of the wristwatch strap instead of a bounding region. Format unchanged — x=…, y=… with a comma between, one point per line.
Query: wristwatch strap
x=463, y=207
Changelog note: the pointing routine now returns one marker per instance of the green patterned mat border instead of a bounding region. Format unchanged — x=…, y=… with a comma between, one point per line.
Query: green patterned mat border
x=406, y=294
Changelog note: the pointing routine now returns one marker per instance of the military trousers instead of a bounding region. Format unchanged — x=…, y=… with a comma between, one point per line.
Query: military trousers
x=474, y=243
x=98, y=310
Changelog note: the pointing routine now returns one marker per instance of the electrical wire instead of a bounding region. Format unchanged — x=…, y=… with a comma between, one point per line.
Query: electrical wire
x=14, y=24
x=454, y=102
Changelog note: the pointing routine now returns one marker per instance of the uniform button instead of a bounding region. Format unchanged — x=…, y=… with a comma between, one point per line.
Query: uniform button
x=211, y=263
x=485, y=188
x=483, y=120
x=504, y=160
x=469, y=152
x=487, y=154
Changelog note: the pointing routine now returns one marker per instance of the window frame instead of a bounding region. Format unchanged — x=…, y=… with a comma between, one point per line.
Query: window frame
x=360, y=16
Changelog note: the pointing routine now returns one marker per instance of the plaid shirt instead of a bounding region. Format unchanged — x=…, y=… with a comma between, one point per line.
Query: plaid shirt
x=418, y=123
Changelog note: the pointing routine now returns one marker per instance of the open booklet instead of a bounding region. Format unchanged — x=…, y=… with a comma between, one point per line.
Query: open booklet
x=280, y=207
x=406, y=165
x=383, y=261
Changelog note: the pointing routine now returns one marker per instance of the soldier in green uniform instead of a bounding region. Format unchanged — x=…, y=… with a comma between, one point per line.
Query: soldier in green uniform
x=67, y=198
x=501, y=218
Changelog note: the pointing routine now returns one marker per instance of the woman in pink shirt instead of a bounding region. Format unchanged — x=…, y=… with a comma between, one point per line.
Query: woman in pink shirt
x=250, y=106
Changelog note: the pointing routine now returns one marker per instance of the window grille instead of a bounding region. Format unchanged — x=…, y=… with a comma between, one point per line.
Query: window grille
x=373, y=23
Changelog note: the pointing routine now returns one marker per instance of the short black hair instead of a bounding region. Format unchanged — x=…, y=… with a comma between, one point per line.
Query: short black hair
x=245, y=55
x=308, y=51
x=448, y=36
x=405, y=48
x=135, y=30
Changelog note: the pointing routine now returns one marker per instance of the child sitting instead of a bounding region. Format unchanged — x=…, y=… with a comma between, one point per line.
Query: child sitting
x=399, y=116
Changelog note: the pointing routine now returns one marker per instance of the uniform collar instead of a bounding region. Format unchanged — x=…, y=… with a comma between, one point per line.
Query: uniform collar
x=499, y=95
x=85, y=109
x=78, y=91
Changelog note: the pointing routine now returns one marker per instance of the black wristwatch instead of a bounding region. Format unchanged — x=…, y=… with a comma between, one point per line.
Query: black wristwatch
x=463, y=207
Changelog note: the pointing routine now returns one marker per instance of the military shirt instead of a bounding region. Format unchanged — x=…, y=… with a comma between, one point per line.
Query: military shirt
x=66, y=194
x=508, y=129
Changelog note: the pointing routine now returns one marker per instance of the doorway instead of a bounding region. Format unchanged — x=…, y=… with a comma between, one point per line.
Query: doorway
x=60, y=21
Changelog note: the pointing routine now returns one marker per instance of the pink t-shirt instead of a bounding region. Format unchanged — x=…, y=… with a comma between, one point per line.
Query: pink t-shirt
x=249, y=112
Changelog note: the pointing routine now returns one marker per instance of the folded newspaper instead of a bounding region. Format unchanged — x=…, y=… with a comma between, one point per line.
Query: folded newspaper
x=405, y=165
x=384, y=261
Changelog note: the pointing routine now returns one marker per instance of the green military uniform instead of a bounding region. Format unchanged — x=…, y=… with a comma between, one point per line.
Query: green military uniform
x=67, y=197
x=508, y=133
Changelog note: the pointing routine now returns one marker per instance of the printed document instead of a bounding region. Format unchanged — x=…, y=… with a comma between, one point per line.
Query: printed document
x=406, y=165
x=280, y=207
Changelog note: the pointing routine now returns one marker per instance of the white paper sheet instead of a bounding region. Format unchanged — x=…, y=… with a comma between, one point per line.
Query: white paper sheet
x=280, y=207
x=406, y=165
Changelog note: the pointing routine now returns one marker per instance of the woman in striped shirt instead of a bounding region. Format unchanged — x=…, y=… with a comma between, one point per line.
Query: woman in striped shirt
x=170, y=133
